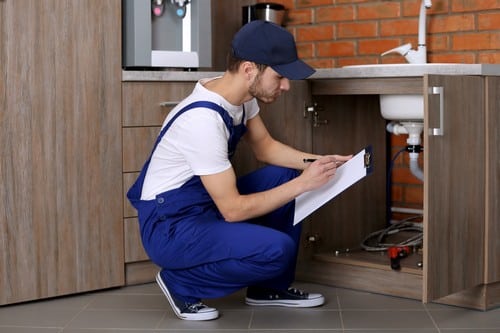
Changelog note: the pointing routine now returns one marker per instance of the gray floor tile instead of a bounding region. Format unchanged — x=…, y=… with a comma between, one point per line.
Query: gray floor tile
x=40, y=314
x=123, y=319
x=466, y=319
x=338, y=330
x=10, y=329
x=386, y=319
x=296, y=319
x=356, y=300
x=229, y=320
x=471, y=330
x=129, y=301
x=410, y=330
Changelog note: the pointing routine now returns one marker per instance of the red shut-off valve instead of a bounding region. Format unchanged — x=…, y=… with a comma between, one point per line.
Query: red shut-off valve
x=396, y=253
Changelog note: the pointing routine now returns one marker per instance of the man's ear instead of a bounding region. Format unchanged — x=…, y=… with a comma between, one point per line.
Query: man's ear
x=248, y=69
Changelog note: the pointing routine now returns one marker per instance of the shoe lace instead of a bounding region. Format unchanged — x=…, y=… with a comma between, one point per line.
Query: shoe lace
x=196, y=306
x=296, y=291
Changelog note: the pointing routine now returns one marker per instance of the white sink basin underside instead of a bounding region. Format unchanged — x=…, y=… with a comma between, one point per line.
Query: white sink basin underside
x=402, y=107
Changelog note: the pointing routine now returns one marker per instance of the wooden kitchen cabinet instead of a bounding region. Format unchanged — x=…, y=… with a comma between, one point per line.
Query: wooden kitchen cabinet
x=60, y=210
x=461, y=210
x=144, y=106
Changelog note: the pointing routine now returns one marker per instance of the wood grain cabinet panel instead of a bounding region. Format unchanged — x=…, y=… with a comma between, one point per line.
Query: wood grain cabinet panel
x=61, y=229
x=147, y=103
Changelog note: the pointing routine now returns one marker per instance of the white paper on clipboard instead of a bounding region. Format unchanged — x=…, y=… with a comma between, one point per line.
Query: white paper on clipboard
x=347, y=174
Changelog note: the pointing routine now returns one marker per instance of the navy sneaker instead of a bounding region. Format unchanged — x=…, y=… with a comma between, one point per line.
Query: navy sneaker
x=291, y=298
x=187, y=311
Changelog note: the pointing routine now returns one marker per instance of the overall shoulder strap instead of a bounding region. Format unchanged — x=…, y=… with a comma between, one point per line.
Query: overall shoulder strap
x=198, y=104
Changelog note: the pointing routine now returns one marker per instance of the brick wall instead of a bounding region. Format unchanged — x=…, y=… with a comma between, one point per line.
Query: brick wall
x=335, y=33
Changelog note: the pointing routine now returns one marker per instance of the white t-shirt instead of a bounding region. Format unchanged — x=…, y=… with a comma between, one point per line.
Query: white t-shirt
x=195, y=144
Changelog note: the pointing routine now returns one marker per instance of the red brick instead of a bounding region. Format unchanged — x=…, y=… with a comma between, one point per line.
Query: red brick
x=412, y=8
x=287, y=3
x=314, y=33
x=451, y=23
x=397, y=193
x=476, y=41
x=489, y=57
x=393, y=59
x=359, y=60
x=332, y=49
x=379, y=10
x=438, y=43
x=376, y=46
x=461, y=58
x=489, y=21
x=351, y=1
x=404, y=176
x=297, y=17
x=313, y=3
x=398, y=140
x=399, y=27
x=474, y=5
x=438, y=7
x=321, y=63
x=414, y=194
x=353, y=30
x=335, y=14
x=305, y=50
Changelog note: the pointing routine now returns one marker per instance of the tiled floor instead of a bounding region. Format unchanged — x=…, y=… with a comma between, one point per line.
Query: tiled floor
x=144, y=309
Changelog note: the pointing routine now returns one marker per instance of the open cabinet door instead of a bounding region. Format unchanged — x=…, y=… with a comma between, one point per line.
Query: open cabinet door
x=454, y=194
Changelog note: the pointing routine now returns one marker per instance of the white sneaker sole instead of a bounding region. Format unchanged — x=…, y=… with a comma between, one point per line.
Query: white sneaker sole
x=291, y=303
x=208, y=314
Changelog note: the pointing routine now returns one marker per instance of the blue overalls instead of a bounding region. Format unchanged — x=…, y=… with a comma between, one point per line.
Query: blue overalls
x=202, y=255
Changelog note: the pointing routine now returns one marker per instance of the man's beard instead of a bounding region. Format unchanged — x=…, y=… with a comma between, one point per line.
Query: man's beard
x=256, y=91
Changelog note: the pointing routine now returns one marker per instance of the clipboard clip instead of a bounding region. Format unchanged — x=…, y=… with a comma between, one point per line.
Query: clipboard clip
x=368, y=159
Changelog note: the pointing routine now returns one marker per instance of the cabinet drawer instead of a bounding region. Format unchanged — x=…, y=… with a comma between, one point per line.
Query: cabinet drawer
x=142, y=101
x=137, y=145
x=128, y=179
x=134, y=250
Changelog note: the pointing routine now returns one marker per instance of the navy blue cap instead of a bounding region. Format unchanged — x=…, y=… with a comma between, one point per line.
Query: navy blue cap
x=269, y=44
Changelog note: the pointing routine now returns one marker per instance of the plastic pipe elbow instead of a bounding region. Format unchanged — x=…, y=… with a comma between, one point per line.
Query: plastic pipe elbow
x=414, y=167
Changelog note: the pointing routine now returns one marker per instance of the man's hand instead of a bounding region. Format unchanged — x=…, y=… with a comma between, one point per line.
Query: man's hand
x=322, y=170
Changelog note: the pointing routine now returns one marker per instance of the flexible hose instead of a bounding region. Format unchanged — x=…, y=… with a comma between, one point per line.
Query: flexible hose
x=376, y=240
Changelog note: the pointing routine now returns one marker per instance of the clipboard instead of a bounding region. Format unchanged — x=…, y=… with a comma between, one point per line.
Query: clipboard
x=349, y=173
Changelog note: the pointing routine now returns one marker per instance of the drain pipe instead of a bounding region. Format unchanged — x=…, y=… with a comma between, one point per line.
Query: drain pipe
x=413, y=129
x=414, y=167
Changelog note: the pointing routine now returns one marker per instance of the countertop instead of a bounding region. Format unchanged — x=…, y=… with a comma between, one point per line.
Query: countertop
x=366, y=71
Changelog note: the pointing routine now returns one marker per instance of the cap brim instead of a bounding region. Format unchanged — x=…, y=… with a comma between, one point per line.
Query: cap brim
x=297, y=70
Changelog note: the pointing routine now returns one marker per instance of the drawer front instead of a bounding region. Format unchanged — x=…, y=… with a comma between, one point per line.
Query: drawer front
x=137, y=146
x=147, y=103
x=134, y=251
x=128, y=179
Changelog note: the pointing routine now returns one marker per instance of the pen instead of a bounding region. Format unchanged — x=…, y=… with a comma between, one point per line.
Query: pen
x=310, y=160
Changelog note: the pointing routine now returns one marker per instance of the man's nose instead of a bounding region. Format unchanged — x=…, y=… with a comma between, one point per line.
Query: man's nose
x=285, y=84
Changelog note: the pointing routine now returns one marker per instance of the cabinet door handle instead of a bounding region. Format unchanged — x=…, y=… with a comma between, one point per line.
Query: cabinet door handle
x=438, y=131
x=169, y=104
